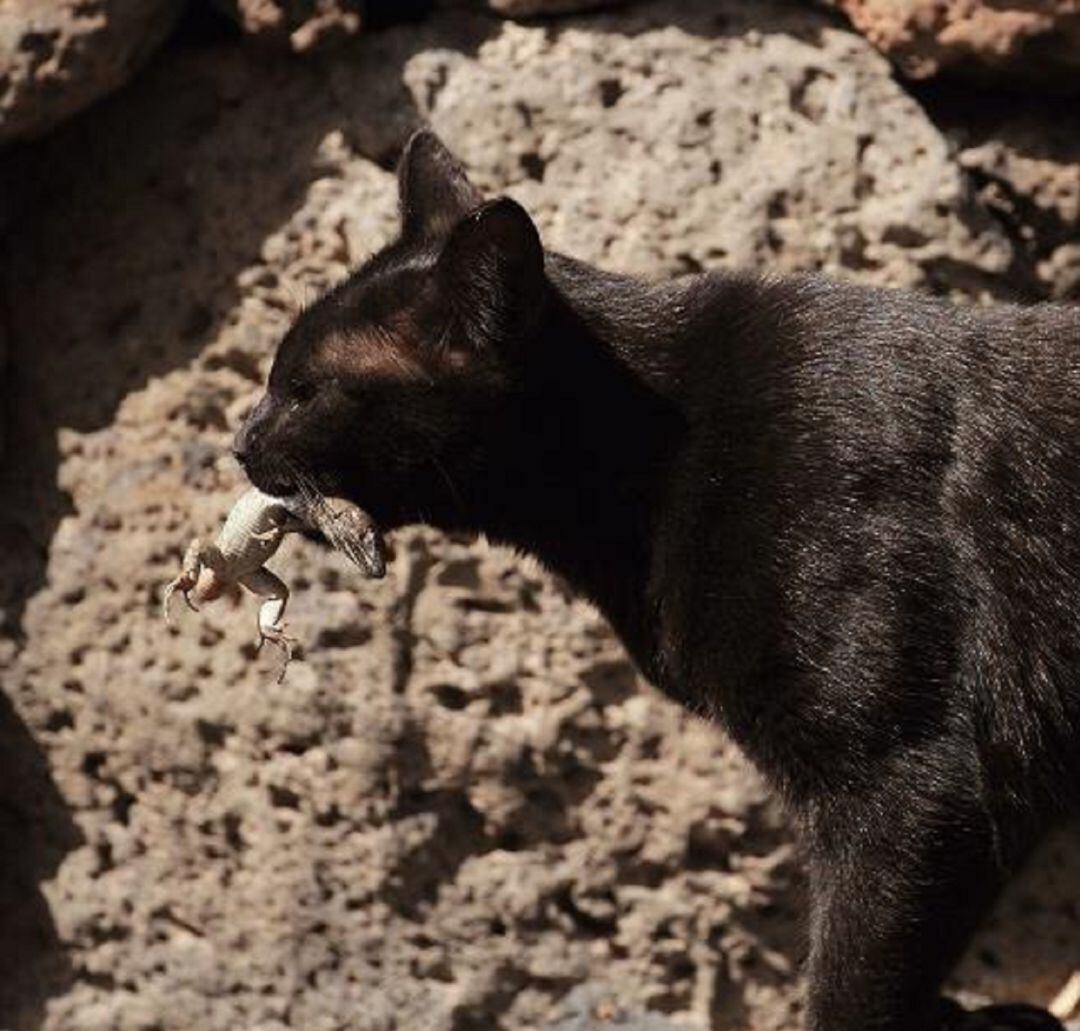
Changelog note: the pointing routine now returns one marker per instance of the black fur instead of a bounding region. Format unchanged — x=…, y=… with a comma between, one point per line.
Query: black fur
x=844, y=522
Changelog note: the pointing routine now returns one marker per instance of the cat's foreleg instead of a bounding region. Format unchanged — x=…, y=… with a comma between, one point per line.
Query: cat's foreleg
x=901, y=874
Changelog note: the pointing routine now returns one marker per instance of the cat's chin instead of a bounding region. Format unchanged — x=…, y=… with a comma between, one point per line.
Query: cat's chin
x=273, y=486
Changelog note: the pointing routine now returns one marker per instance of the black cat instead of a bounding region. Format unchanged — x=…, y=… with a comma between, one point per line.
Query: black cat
x=843, y=521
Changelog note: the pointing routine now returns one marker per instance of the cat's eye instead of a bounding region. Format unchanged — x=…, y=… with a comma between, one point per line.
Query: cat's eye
x=302, y=393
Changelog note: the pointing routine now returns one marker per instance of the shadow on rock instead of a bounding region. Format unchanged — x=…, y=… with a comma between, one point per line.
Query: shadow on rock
x=36, y=832
x=135, y=222
x=120, y=261
x=1022, y=157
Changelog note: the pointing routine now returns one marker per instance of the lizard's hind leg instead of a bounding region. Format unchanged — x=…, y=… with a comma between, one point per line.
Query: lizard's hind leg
x=186, y=580
x=275, y=597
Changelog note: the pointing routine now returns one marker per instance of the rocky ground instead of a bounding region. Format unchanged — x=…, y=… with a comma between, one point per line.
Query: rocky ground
x=461, y=810
x=1037, y=41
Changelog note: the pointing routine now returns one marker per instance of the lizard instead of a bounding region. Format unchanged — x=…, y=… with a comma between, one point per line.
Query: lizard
x=252, y=534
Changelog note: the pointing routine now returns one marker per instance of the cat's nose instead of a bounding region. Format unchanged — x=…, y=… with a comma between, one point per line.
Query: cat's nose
x=245, y=436
x=241, y=445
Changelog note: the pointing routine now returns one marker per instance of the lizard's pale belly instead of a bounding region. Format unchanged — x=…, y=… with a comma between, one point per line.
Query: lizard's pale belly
x=246, y=554
x=210, y=586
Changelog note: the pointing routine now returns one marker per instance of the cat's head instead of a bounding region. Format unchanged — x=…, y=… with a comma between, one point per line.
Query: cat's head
x=391, y=389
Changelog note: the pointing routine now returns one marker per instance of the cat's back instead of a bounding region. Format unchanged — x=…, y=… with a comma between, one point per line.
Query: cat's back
x=840, y=342
x=882, y=472
x=832, y=382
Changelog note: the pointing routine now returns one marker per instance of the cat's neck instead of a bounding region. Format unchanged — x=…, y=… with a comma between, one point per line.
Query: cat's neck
x=642, y=324
x=583, y=479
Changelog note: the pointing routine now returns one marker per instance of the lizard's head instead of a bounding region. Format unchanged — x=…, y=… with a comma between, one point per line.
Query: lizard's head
x=392, y=390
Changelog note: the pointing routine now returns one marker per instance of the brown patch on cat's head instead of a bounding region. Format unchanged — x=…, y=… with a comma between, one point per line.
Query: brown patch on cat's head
x=386, y=389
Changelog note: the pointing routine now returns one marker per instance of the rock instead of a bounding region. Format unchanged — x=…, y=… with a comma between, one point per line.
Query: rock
x=1061, y=270
x=3, y=385
x=1028, y=171
x=58, y=57
x=801, y=151
x=1033, y=40
x=589, y=1008
x=306, y=25
x=303, y=26
x=535, y=8
x=1023, y=161
x=462, y=803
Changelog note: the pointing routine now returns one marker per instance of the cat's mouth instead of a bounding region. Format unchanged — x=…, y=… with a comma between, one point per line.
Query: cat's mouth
x=277, y=488
x=272, y=478
x=346, y=526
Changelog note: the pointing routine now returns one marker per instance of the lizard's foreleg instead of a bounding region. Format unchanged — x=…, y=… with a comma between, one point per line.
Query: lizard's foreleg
x=275, y=597
x=284, y=523
x=194, y=560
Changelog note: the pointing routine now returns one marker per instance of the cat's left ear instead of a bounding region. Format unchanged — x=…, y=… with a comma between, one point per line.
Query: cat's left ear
x=433, y=189
x=491, y=272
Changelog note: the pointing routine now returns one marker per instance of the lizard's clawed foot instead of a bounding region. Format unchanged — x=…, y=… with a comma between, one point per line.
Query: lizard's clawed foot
x=998, y=1018
x=276, y=635
x=185, y=584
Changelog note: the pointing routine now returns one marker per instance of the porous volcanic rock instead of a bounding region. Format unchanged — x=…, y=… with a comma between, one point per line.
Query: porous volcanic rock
x=316, y=24
x=1029, y=172
x=1035, y=40
x=3, y=372
x=301, y=24
x=58, y=56
x=535, y=8
x=736, y=135
x=462, y=804
x=1023, y=160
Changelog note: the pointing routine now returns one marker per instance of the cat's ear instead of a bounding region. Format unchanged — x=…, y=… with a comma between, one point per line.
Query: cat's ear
x=491, y=271
x=435, y=193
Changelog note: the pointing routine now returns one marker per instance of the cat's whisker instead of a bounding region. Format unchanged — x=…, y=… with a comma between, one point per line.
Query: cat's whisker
x=459, y=501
